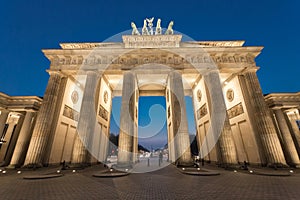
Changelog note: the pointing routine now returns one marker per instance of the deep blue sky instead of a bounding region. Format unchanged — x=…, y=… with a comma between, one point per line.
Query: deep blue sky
x=32, y=25
x=29, y=26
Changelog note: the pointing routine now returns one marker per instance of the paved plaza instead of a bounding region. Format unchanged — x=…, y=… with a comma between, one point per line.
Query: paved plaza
x=166, y=183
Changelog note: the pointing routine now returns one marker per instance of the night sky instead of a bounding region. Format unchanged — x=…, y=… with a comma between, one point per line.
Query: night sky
x=29, y=26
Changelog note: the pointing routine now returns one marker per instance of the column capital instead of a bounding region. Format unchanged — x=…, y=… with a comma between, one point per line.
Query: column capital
x=93, y=72
x=55, y=72
x=129, y=72
x=30, y=111
x=99, y=72
x=207, y=70
x=249, y=70
x=4, y=111
x=277, y=107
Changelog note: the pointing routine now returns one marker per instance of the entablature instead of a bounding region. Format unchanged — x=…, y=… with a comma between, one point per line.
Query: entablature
x=18, y=103
x=129, y=58
x=283, y=100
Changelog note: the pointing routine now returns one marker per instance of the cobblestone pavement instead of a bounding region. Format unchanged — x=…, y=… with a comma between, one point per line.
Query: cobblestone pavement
x=167, y=183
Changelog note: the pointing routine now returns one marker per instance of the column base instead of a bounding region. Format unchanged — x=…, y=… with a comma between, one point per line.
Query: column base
x=229, y=166
x=33, y=165
x=2, y=164
x=13, y=166
x=277, y=165
x=297, y=166
x=123, y=166
x=77, y=165
x=180, y=163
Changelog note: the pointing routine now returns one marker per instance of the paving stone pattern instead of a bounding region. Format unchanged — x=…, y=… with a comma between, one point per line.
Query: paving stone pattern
x=167, y=183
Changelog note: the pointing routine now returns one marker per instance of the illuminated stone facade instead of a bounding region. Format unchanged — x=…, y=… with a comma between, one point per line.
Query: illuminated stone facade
x=220, y=76
x=17, y=119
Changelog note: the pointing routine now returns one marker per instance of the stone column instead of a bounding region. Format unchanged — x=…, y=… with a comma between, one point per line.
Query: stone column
x=125, y=153
x=135, y=144
x=135, y=140
x=295, y=130
x=287, y=140
x=87, y=120
x=11, y=136
x=263, y=121
x=220, y=127
x=180, y=125
x=135, y=128
x=197, y=123
x=42, y=129
x=3, y=118
x=23, y=141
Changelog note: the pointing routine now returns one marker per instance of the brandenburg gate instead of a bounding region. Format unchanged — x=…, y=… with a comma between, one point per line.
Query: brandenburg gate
x=233, y=122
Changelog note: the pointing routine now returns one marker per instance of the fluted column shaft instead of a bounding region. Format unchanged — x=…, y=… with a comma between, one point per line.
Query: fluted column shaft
x=220, y=125
x=10, y=138
x=295, y=130
x=287, y=140
x=3, y=118
x=181, y=133
x=263, y=120
x=87, y=120
x=125, y=153
x=42, y=128
x=23, y=141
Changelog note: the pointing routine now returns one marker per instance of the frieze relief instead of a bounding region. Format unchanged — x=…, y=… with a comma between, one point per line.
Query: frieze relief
x=202, y=111
x=103, y=113
x=139, y=59
x=71, y=113
x=235, y=111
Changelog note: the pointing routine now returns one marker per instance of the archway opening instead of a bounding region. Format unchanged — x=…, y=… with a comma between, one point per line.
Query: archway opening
x=152, y=131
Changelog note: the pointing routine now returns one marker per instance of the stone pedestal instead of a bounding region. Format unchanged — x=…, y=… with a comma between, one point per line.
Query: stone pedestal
x=87, y=120
x=220, y=127
x=287, y=140
x=42, y=129
x=22, y=142
x=126, y=136
x=263, y=121
x=180, y=130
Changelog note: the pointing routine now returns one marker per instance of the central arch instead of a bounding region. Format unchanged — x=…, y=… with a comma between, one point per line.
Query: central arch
x=142, y=74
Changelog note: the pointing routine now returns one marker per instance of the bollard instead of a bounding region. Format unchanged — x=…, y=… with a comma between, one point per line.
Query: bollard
x=148, y=162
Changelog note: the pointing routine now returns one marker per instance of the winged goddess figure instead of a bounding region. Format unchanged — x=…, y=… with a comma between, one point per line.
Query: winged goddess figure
x=150, y=25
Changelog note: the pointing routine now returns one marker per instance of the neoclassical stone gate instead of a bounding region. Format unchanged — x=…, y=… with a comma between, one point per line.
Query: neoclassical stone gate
x=233, y=122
